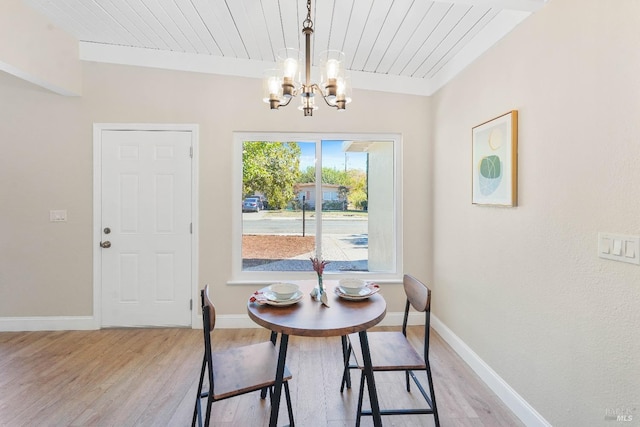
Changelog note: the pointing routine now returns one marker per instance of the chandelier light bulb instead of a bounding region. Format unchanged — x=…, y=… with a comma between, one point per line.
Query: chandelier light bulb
x=272, y=89
x=274, y=86
x=290, y=68
x=333, y=67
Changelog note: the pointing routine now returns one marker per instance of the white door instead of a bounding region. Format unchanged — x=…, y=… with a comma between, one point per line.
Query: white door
x=146, y=228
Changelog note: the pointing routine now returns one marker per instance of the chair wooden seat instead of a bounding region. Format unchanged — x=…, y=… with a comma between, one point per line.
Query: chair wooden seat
x=241, y=370
x=390, y=351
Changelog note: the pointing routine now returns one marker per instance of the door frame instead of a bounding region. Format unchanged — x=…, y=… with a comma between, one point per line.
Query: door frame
x=97, y=207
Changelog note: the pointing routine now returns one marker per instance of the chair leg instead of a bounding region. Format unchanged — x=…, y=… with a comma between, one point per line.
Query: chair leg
x=209, y=403
x=433, y=396
x=197, y=410
x=406, y=376
x=287, y=396
x=346, y=356
x=346, y=379
x=197, y=414
x=263, y=392
x=360, y=397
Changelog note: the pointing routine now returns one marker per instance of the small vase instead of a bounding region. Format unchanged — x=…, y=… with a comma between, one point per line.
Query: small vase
x=319, y=288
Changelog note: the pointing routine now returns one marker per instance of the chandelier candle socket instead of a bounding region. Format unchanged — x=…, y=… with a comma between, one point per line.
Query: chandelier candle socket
x=285, y=82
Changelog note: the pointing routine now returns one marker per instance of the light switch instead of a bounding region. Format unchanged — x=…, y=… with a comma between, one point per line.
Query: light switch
x=619, y=247
x=629, y=249
x=58, y=215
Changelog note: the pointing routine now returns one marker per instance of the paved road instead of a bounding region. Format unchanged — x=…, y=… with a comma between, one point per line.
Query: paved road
x=259, y=223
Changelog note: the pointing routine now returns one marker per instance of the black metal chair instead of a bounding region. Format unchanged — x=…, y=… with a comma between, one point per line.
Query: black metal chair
x=392, y=351
x=235, y=371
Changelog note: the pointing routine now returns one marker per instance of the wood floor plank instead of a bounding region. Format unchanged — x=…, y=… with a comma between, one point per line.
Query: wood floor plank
x=148, y=377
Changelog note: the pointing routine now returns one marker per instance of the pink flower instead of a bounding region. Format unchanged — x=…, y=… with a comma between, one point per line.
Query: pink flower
x=318, y=265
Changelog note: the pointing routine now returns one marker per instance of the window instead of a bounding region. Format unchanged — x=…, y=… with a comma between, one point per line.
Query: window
x=328, y=195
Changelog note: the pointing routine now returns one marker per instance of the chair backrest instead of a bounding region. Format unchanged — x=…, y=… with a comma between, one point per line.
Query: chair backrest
x=208, y=310
x=418, y=297
x=208, y=323
x=418, y=294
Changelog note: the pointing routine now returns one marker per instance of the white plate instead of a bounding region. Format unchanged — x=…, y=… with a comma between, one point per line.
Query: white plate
x=280, y=288
x=367, y=294
x=351, y=286
x=271, y=299
x=362, y=292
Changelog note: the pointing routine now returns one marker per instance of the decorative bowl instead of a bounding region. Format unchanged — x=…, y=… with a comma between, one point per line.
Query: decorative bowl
x=351, y=286
x=283, y=291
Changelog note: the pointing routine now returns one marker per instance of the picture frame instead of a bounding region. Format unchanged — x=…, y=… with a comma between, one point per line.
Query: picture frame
x=495, y=161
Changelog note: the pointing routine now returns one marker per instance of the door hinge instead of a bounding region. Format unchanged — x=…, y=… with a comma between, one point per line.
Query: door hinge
x=191, y=304
x=191, y=152
x=191, y=227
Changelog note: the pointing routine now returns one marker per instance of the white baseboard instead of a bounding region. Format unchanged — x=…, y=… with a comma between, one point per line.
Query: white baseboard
x=72, y=323
x=527, y=414
x=48, y=323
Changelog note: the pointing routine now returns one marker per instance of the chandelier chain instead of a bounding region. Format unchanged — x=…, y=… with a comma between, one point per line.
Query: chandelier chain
x=308, y=23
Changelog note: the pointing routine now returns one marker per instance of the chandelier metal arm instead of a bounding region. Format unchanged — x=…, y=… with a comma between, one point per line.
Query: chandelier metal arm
x=286, y=103
x=323, y=96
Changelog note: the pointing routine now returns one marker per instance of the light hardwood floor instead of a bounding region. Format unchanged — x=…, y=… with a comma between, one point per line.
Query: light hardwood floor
x=148, y=377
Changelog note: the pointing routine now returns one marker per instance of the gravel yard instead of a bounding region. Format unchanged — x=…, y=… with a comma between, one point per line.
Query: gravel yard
x=275, y=246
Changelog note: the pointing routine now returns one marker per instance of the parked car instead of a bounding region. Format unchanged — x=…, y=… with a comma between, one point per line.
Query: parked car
x=262, y=201
x=251, y=204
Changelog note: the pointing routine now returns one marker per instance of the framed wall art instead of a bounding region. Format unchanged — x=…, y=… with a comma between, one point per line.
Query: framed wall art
x=495, y=161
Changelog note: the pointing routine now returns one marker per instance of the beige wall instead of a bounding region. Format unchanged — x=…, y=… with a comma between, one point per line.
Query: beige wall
x=523, y=287
x=35, y=50
x=45, y=268
x=46, y=140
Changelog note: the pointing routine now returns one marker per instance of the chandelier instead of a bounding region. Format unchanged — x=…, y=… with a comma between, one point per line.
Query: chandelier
x=284, y=82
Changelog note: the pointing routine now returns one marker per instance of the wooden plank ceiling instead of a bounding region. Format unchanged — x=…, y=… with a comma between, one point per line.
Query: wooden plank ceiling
x=414, y=39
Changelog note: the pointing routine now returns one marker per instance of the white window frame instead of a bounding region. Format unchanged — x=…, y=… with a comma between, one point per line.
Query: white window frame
x=264, y=277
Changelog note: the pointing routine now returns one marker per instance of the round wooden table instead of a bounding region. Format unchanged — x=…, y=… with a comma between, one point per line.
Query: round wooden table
x=310, y=318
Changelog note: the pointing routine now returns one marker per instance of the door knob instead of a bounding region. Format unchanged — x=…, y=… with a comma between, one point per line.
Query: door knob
x=106, y=244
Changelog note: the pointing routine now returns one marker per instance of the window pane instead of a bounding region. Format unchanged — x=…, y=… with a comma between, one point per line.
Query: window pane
x=356, y=237
x=279, y=234
x=344, y=215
